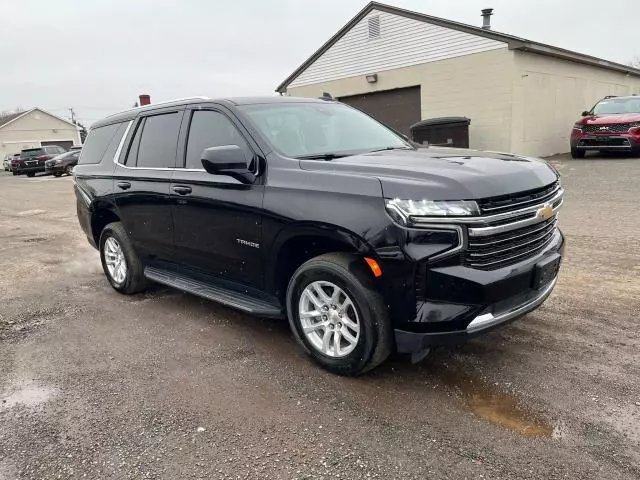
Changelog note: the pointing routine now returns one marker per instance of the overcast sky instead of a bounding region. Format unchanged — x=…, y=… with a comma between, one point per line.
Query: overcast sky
x=98, y=55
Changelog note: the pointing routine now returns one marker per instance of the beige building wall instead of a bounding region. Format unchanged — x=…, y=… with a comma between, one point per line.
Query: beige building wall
x=31, y=129
x=478, y=86
x=549, y=95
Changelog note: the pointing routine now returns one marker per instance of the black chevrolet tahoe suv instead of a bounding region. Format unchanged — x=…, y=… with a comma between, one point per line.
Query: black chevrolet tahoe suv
x=311, y=210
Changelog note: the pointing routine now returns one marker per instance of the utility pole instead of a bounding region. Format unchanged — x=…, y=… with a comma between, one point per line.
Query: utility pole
x=73, y=115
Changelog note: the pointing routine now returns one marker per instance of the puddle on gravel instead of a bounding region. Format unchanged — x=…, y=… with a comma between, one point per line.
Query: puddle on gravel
x=495, y=406
x=26, y=394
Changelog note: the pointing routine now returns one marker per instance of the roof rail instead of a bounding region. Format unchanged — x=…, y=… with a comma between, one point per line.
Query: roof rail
x=162, y=103
x=611, y=96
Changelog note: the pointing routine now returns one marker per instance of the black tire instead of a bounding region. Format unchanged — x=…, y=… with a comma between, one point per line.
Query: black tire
x=69, y=170
x=31, y=174
x=350, y=273
x=57, y=174
x=134, y=280
x=575, y=153
x=14, y=173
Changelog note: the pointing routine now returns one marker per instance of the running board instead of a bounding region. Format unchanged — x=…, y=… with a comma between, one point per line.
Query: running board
x=217, y=293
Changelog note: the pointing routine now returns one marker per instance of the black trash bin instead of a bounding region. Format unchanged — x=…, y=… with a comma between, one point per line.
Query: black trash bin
x=443, y=131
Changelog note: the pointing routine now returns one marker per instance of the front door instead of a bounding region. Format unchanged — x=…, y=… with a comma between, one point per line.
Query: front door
x=217, y=218
x=142, y=184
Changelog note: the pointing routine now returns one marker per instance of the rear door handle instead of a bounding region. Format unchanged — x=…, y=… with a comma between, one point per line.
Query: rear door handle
x=124, y=185
x=181, y=189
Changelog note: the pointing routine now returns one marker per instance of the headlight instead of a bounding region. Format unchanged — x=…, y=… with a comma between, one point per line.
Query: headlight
x=577, y=126
x=403, y=210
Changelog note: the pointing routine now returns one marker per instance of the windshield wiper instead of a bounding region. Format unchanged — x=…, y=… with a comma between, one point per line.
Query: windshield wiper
x=322, y=156
x=389, y=148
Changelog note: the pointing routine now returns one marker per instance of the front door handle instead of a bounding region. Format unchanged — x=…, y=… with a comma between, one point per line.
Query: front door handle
x=124, y=185
x=181, y=189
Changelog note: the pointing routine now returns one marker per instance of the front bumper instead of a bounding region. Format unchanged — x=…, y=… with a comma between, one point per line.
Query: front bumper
x=464, y=302
x=55, y=168
x=606, y=143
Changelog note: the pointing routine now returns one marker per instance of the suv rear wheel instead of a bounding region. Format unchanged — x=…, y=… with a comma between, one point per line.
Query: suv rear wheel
x=336, y=315
x=120, y=263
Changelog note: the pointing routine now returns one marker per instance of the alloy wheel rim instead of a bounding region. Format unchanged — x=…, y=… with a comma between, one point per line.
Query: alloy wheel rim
x=329, y=319
x=115, y=261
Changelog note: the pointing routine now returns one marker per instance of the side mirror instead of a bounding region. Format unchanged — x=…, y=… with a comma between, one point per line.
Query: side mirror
x=585, y=113
x=227, y=160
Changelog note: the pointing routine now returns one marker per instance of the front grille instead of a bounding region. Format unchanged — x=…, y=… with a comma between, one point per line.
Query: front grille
x=516, y=201
x=502, y=249
x=615, y=128
x=604, y=142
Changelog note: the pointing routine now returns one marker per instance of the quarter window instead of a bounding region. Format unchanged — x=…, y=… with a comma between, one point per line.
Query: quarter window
x=212, y=129
x=97, y=143
x=158, y=141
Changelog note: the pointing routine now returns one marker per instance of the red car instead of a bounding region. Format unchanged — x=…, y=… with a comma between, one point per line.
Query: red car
x=612, y=125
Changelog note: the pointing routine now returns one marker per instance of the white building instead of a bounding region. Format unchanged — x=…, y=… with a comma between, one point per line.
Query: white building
x=403, y=67
x=35, y=128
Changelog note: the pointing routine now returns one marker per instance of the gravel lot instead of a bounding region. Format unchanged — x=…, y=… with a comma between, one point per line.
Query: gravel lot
x=94, y=384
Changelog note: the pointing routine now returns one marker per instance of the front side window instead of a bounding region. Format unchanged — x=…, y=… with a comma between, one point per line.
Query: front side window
x=615, y=106
x=310, y=129
x=159, y=141
x=211, y=129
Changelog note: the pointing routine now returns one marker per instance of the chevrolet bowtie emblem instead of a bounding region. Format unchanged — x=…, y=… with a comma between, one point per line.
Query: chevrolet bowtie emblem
x=545, y=212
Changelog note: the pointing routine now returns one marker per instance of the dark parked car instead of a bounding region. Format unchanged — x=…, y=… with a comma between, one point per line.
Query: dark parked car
x=612, y=125
x=62, y=163
x=312, y=210
x=32, y=160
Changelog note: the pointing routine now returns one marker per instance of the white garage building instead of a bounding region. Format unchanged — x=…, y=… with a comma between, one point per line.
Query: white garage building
x=35, y=128
x=402, y=67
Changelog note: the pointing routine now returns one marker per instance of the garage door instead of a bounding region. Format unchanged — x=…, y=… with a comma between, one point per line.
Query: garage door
x=399, y=109
x=66, y=144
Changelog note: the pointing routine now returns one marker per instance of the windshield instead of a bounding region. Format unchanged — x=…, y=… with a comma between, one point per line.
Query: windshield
x=613, y=106
x=309, y=129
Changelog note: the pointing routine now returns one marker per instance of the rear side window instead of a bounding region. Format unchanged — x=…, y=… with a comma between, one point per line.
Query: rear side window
x=97, y=143
x=211, y=129
x=159, y=141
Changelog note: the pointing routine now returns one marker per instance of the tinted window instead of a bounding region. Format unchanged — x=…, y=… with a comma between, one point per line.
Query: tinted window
x=32, y=152
x=211, y=129
x=133, y=147
x=96, y=143
x=159, y=140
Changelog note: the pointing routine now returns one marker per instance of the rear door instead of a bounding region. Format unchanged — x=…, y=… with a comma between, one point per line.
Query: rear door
x=217, y=218
x=142, y=178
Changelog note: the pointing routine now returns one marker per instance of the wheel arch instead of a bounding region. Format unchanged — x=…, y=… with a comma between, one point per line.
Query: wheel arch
x=102, y=214
x=298, y=243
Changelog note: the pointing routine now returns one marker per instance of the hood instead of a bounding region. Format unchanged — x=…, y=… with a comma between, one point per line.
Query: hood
x=443, y=173
x=610, y=119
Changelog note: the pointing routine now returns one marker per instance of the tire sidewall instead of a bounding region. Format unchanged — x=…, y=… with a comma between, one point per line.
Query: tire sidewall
x=359, y=357
x=107, y=233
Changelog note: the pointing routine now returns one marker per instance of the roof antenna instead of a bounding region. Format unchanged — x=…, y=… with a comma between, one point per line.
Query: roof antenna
x=326, y=96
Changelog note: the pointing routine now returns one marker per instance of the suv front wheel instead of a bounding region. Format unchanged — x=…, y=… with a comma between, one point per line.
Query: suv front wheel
x=575, y=153
x=120, y=263
x=337, y=316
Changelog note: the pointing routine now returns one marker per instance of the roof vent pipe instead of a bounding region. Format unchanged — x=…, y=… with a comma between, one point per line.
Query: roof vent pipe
x=486, y=18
